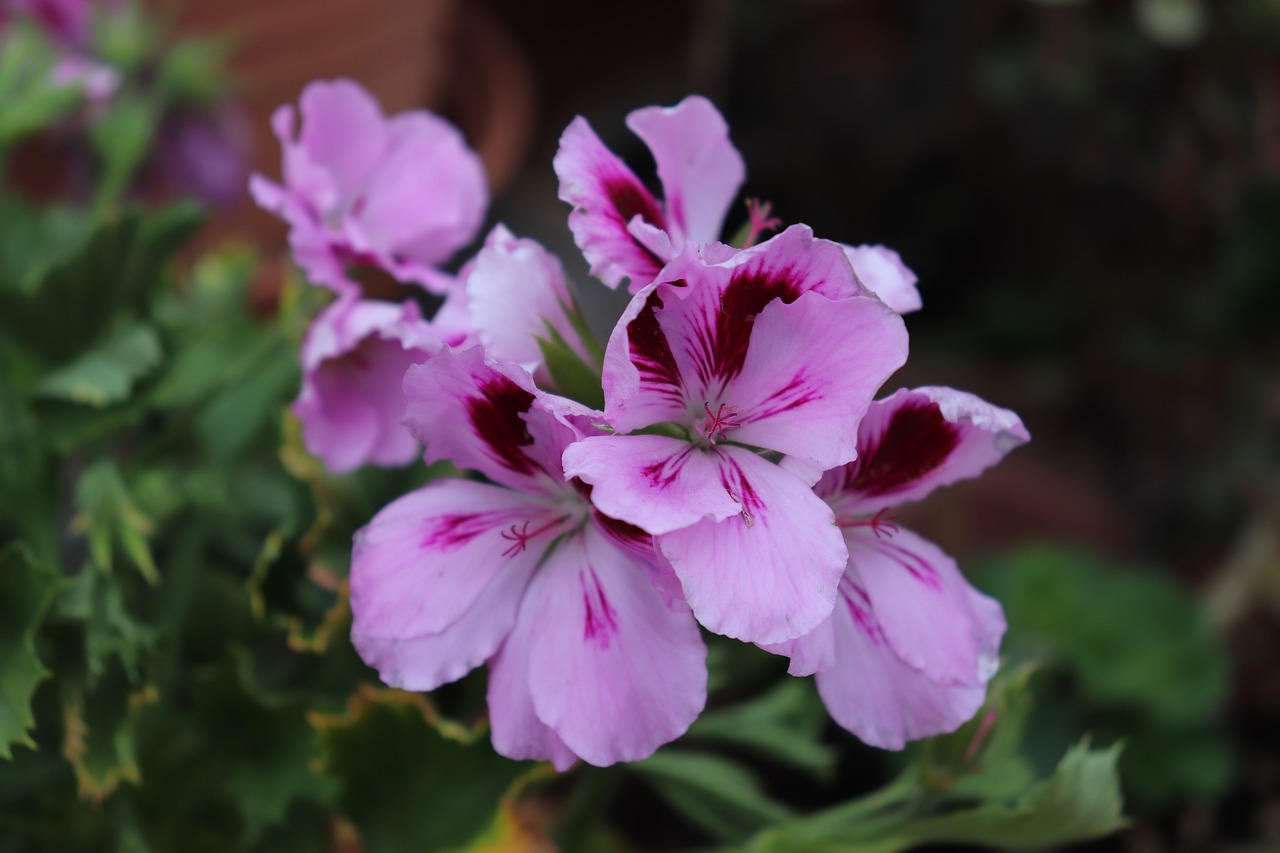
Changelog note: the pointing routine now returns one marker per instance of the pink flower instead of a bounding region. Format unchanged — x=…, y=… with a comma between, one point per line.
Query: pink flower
x=515, y=289
x=400, y=194
x=882, y=272
x=622, y=229
x=587, y=658
x=774, y=347
x=353, y=360
x=909, y=649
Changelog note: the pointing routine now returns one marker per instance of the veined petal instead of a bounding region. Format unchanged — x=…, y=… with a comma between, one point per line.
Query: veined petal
x=768, y=573
x=425, y=559
x=515, y=289
x=657, y=483
x=929, y=614
x=810, y=373
x=642, y=379
x=871, y=692
x=482, y=415
x=699, y=168
x=427, y=661
x=885, y=275
x=612, y=669
x=606, y=196
x=914, y=441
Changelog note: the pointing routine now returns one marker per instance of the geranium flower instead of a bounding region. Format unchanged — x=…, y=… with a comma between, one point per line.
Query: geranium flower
x=776, y=347
x=353, y=360
x=882, y=271
x=401, y=194
x=910, y=646
x=626, y=233
x=587, y=658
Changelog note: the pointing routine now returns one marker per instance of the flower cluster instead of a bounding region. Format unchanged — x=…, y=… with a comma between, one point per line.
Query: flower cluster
x=739, y=476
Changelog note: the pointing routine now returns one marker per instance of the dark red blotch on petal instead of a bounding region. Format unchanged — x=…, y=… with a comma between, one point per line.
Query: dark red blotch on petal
x=629, y=198
x=650, y=351
x=915, y=442
x=749, y=291
x=496, y=417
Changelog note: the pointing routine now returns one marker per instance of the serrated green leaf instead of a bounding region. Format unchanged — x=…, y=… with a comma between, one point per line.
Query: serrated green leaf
x=107, y=514
x=784, y=724
x=107, y=373
x=26, y=588
x=410, y=781
x=717, y=795
x=96, y=602
x=99, y=728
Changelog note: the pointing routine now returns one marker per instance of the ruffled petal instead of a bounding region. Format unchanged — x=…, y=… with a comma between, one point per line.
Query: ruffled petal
x=810, y=373
x=354, y=359
x=914, y=441
x=606, y=196
x=657, y=483
x=425, y=198
x=768, y=573
x=929, y=614
x=515, y=288
x=871, y=692
x=612, y=669
x=700, y=169
x=482, y=415
x=342, y=133
x=885, y=275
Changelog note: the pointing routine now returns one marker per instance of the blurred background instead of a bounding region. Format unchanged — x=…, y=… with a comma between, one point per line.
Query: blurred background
x=1089, y=191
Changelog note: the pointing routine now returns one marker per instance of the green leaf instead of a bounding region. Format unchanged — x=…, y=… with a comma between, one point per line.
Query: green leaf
x=99, y=727
x=32, y=99
x=121, y=138
x=106, y=374
x=572, y=375
x=96, y=602
x=110, y=277
x=410, y=781
x=784, y=724
x=34, y=238
x=717, y=795
x=1133, y=639
x=26, y=588
x=107, y=514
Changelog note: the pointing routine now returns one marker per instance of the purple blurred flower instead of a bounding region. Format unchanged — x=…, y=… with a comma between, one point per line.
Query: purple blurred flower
x=401, y=194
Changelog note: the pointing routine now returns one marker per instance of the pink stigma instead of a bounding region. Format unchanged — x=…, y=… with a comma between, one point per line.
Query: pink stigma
x=759, y=220
x=715, y=424
x=519, y=538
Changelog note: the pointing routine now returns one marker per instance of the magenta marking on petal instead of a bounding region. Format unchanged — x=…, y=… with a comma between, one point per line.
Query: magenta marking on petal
x=496, y=417
x=796, y=393
x=449, y=532
x=916, y=441
x=749, y=291
x=650, y=351
x=630, y=199
x=662, y=474
x=859, y=604
x=598, y=627
x=909, y=560
x=741, y=490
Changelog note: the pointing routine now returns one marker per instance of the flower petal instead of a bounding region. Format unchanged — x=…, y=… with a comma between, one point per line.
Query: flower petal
x=606, y=196
x=885, y=275
x=768, y=573
x=342, y=133
x=657, y=483
x=514, y=726
x=613, y=670
x=354, y=359
x=699, y=168
x=914, y=441
x=930, y=615
x=482, y=415
x=871, y=692
x=425, y=559
x=515, y=288
x=810, y=373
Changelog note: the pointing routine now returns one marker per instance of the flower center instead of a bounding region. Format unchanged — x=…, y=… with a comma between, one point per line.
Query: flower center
x=724, y=418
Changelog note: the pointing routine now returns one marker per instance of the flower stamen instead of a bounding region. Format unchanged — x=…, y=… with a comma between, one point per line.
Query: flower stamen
x=715, y=425
x=520, y=537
